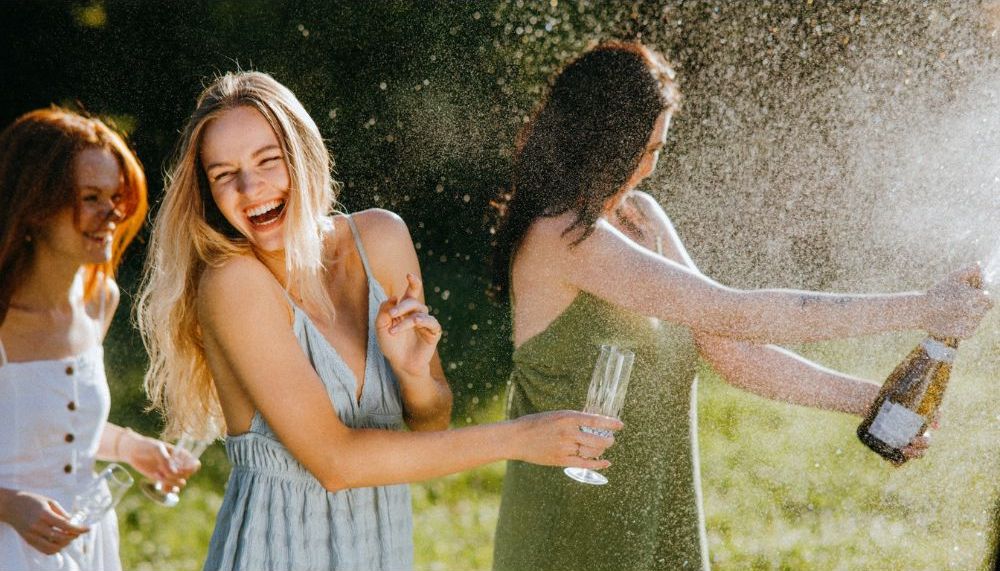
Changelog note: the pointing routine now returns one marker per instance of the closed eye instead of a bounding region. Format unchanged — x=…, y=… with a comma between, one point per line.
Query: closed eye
x=223, y=176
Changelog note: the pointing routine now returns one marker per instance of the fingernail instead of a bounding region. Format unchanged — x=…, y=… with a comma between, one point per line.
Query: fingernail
x=393, y=312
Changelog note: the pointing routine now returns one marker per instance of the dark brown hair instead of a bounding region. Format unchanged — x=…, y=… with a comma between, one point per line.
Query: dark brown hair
x=583, y=144
x=37, y=181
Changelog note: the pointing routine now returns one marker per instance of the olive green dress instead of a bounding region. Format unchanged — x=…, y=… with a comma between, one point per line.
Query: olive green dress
x=649, y=514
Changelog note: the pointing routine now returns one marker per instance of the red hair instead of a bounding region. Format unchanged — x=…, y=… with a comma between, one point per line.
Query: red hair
x=37, y=181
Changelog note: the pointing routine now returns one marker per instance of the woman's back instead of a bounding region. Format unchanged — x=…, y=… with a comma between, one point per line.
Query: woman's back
x=649, y=515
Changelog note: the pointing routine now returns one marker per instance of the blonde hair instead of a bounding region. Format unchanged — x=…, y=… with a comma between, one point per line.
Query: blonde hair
x=189, y=235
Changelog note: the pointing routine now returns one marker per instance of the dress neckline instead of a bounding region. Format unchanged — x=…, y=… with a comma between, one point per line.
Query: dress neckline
x=60, y=360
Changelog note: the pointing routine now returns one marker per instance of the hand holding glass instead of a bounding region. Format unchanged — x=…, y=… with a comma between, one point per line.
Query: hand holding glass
x=156, y=490
x=605, y=396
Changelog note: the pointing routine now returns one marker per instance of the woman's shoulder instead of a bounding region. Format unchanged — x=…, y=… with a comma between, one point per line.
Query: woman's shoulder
x=388, y=246
x=387, y=225
x=243, y=275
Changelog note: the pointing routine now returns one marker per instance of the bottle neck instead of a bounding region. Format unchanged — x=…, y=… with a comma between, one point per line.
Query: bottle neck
x=940, y=348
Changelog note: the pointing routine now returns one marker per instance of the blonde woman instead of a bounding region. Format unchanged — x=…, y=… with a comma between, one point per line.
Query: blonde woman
x=72, y=197
x=306, y=336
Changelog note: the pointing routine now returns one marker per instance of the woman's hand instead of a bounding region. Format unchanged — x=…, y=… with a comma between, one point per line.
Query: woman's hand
x=152, y=458
x=39, y=520
x=556, y=439
x=956, y=305
x=406, y=332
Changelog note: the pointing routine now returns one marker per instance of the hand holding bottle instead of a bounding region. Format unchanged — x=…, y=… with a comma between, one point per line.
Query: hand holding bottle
x=956, y=304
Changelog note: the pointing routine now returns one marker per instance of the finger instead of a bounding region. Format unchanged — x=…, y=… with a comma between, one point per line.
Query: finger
x=407, y=306
x=56, y=516
x=594, y=440
x=414, y=286
x=418, y=321
x=173, y=482
x=588, y=452
x=382, y=318
x=574, y=461
x=597, y=421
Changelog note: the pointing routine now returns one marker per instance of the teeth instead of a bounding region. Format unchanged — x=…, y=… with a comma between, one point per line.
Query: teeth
x=258, y=210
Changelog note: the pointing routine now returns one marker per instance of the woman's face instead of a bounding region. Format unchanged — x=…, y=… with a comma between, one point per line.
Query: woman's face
x=99, y=184
x=247, y=174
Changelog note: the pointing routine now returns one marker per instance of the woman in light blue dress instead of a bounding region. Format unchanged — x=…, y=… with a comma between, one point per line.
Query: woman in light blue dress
x=305, y=337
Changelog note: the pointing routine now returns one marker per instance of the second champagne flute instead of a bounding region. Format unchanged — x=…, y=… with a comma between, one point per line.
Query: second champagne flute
x=605, y=396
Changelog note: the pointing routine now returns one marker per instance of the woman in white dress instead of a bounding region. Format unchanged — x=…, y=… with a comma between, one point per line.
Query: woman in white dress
x=72, y=196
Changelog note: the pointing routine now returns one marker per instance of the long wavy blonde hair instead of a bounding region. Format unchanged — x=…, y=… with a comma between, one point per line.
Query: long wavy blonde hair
x=190, y=234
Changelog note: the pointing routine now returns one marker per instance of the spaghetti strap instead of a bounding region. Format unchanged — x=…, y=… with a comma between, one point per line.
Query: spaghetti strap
x=361, y=248
x=3, y=354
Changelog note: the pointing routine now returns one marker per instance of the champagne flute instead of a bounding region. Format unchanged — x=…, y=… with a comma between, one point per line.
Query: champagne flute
x=156, y=491
x=90, y=505
x=605, y=396
x=101, y=496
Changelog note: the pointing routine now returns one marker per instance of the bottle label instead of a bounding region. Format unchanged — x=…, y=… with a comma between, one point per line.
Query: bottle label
x=895, y=424
x=938, y=351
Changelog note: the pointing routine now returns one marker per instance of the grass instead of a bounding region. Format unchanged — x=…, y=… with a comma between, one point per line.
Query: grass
x=786, y=488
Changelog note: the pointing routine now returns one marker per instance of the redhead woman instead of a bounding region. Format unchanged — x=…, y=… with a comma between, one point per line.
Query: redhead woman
x=589, y=260
x=305, y=335
x=72, y=197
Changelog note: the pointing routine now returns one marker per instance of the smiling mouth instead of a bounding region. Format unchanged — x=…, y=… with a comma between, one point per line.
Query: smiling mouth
x=266, y=214
x=102, y=238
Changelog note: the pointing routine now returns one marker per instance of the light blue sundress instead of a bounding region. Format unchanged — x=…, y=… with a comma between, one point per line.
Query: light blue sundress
x=276, y=516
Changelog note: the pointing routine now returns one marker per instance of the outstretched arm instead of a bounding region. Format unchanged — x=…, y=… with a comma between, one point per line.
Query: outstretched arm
x=768, y=371
x=248, y=338
x=667, y=289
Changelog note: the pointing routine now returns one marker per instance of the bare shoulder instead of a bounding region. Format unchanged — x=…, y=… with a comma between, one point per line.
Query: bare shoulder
x=112, y=294
x=378, y=225
x=389, y=247
x=239, y=281
x=106, y=300
x=552, y=230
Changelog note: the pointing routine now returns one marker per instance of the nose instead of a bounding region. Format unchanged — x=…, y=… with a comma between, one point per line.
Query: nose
x=249, y=182
x=115, y=213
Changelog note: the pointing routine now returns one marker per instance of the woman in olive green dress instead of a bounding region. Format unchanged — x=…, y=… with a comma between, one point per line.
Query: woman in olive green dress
x=587, y=260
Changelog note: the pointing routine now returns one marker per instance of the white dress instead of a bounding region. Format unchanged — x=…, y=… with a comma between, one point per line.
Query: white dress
x=52, y=414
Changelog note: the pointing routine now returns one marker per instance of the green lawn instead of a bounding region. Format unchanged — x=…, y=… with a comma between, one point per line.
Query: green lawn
x=786, y=488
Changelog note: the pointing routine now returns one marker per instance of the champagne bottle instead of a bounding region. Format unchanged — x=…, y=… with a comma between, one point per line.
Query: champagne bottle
x=909, y=398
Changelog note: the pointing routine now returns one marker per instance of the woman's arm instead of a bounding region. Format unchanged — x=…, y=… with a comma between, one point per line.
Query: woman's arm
x=660, y=287
x=426, y=395
x=781, y=375
x=248, y=339
x=765, y=370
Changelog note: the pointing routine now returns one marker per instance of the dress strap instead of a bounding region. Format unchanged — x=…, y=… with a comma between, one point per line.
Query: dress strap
x=3, y=354
x=361, y=248
x=102, y=307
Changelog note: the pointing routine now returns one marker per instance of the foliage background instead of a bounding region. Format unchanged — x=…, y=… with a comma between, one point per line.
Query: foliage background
x=810, y=133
